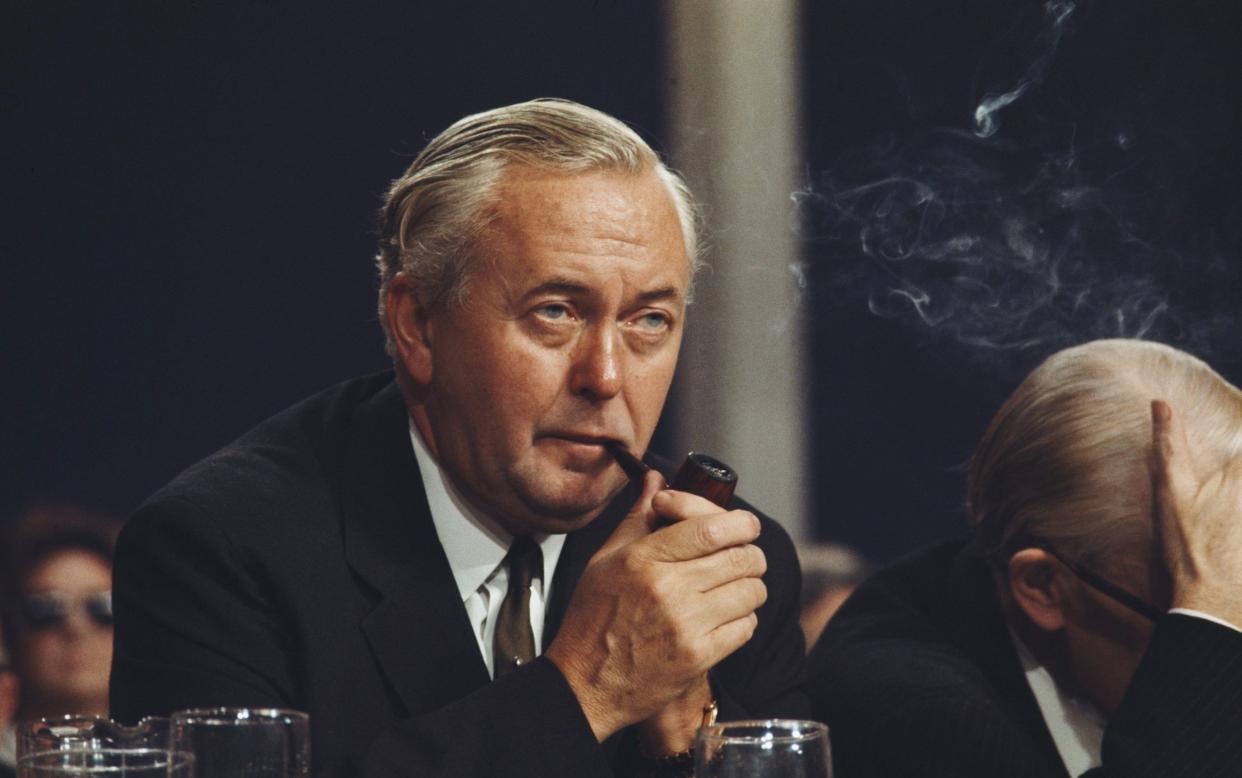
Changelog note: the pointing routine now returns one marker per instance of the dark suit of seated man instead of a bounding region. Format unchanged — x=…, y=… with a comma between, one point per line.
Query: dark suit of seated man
x=1079, y=630
x=376, y=554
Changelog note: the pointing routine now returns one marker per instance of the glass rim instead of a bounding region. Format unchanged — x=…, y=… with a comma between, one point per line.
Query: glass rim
x=173, y=757
x=810, y=730
x=64, y=719
x=141, y=750
x=239, y=715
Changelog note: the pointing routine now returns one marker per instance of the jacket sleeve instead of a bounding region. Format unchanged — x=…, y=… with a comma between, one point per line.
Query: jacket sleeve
x=1182, y=715
x=190, y=630
x=766, y=678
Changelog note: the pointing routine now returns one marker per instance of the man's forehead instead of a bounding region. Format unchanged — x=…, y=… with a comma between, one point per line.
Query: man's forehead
x=574, y=231
x=616, y=198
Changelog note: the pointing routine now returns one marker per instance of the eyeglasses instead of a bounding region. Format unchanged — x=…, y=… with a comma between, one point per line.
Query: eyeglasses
x=45, y=610
x=1105, y=586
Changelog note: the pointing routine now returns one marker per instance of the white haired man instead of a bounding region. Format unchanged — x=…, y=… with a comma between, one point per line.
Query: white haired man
x=445, y=566
x=1082, y=630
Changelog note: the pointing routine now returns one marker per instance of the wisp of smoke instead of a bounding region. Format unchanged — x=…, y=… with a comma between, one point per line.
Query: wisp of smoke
x=1004, y=244
x=1057, y=15
x=1002, y=252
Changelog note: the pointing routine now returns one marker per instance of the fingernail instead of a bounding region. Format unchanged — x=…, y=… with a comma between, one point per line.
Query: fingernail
x=660, y=498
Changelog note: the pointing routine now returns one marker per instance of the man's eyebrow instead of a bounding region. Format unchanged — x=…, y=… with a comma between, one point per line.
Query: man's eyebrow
x=558, y=286
x=575, y=289
x=663, y=293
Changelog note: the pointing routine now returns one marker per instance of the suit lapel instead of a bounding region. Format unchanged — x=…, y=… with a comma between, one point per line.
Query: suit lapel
x=418, y=630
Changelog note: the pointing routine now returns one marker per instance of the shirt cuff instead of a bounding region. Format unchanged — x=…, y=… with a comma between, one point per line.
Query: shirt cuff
x=1201, y=615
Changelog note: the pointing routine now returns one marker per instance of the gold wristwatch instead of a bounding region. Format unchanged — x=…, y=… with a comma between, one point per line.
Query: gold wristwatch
x=681, y=764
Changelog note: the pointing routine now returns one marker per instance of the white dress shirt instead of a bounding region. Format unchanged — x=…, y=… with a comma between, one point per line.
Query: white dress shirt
x=1076, y=725
x=476, y=546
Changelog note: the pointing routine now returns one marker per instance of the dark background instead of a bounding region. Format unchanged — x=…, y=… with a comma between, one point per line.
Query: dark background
x=189, y=195
x=189, y=203
x=1119, y=165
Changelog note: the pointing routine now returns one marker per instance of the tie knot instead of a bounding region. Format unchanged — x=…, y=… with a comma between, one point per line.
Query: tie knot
x=524, y=560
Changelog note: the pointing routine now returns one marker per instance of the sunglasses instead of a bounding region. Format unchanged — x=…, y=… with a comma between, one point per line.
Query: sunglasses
x=45, y=610
x=1104, y=586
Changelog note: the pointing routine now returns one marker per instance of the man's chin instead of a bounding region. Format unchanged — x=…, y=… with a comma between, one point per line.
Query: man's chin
x=571, y=505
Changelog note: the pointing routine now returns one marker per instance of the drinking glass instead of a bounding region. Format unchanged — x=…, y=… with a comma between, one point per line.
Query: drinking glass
x=244, y=742
x=84, y=733
x=768, y=748
x=104, y=763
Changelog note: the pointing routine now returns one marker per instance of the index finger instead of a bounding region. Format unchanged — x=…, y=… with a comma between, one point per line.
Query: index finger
x=1171, y=466
x=698, y=536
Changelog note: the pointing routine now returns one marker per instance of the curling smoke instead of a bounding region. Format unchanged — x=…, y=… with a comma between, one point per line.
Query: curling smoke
x=1057, y=15
x=1008, y=244
x=1002, y=251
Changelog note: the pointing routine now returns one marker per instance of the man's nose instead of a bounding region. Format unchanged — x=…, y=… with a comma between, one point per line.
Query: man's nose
x=598, y=367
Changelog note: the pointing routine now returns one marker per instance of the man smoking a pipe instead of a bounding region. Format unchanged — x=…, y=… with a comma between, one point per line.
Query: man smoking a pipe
x=443, y=565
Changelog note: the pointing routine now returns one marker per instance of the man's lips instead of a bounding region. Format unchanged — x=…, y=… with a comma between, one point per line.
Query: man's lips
x=635, y=469
x=581, y=439
x=587, y=445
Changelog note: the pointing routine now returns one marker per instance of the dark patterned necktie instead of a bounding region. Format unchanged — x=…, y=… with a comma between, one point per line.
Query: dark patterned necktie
x=514, y=643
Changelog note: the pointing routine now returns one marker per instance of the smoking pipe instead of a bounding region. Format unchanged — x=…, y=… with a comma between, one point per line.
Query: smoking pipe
x=700, y=474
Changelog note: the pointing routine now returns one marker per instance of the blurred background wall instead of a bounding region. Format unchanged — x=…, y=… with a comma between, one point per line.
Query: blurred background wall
x=910, y=205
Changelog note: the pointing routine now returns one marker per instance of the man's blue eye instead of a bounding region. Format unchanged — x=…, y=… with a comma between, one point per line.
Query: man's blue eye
x=553, y=311
x=653, y=321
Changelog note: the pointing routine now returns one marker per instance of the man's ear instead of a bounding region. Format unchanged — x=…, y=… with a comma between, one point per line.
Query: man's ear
x=1036, y=589
x=409, y=326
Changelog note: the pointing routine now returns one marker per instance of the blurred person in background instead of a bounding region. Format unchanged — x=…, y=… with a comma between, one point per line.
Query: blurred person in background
x=57, y=598
x=1091, y=626
x=830, y=573
x=8, y=705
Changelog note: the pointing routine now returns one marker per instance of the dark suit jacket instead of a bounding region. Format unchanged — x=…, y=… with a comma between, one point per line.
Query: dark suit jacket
x=917, y=676
x=299, y=567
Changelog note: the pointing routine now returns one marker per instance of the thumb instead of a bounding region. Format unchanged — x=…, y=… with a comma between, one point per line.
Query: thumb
x=641, y=520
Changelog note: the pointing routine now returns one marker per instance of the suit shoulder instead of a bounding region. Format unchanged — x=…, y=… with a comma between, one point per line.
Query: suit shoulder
x=282, y=464
x=896, y=633
x=915, y=589
x=775, y=541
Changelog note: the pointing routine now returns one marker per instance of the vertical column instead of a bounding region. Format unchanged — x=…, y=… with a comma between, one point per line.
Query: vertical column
x=735, y=123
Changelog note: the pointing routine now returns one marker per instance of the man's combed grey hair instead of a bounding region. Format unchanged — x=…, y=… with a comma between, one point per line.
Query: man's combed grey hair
x=435, y=211
x=1066, y=459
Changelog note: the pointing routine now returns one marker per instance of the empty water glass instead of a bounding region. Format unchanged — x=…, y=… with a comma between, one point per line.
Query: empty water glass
x=244, y=742
x=772, y=748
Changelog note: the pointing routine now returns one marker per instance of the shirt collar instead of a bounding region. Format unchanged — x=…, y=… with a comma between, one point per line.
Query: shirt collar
x=474, y=543
x=1076, y=726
